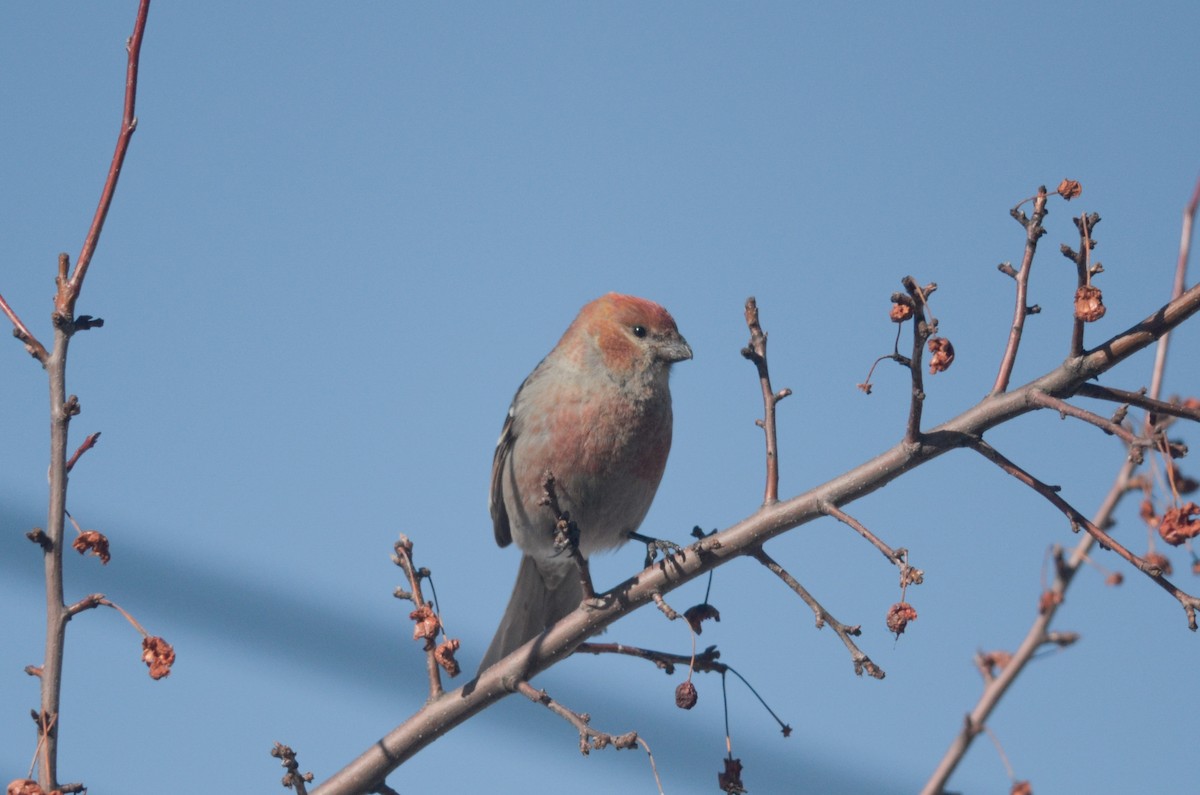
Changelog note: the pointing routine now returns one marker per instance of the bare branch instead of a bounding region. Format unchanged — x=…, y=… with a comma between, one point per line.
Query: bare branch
x=756, y=352
x=861, y=661
x=924, y=326
x=1033, y=232
x=558, y=642
x=589, y=738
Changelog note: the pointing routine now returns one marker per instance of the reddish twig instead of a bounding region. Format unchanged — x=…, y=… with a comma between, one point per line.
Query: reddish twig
x=756, y=352
x=88, y=444
x=21, y=332
x=1033, y=232
x=68, y=289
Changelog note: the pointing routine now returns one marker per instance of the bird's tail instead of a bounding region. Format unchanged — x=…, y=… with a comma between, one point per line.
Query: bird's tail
x=539, y=599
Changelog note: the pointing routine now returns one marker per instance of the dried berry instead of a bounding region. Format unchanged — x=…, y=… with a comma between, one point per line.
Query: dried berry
x=901, y=312
x=685, y=695
x=96, y=542
x=444, y=655
x=1179, y=524
x=898, y=617
x=1089, y=304
x=1069, y=189
x=943, y=355
x=158, y=655
x=427, y=625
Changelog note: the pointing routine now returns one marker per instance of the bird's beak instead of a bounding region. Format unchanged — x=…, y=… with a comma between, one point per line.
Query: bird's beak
x=676, y=350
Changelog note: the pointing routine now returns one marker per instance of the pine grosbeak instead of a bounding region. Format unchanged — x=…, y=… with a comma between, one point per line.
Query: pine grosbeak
x=596, y=413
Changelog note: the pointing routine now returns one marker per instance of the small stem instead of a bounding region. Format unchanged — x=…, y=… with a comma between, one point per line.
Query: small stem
x=756, y=352
x=1033, y=232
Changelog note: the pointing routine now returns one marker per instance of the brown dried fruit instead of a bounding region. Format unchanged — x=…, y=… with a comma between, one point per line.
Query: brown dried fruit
x=27, y=786
x=444, y=655
x=427, y=625
x=865, y=387
x=901, y=313
x=1089, y=304
x=696, y=615
x=1069, y=189
x=1114, y=578
x=686, y=695
x=730, y=780
x=1179, y=524
x=94, y=541
x=943, y=355
x=898, y=617
x=1021, y=788
x=158, y=655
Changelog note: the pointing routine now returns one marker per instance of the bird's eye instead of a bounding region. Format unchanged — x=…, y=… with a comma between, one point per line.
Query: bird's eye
x=639, y=331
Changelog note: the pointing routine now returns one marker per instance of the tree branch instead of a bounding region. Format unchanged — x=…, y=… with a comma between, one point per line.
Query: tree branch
x=559, y=641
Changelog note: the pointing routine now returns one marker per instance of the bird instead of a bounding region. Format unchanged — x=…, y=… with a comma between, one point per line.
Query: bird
x=595, y=414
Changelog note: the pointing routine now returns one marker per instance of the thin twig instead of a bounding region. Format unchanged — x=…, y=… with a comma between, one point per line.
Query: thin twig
x=1108, y=426
x=88, y=444
x=424, y=613
x=924, y=326
x=1033, y=232
x=705, y=661
x=1181, y=268
x=21, y=332
x=62, y=409
x=68, y=293
x=898, y=557
x=1083, y=270
x=1138, y=399
x=861, y=661
x=756, y=352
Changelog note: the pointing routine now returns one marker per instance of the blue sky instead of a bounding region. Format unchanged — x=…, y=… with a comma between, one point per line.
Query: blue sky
x=344, y=235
